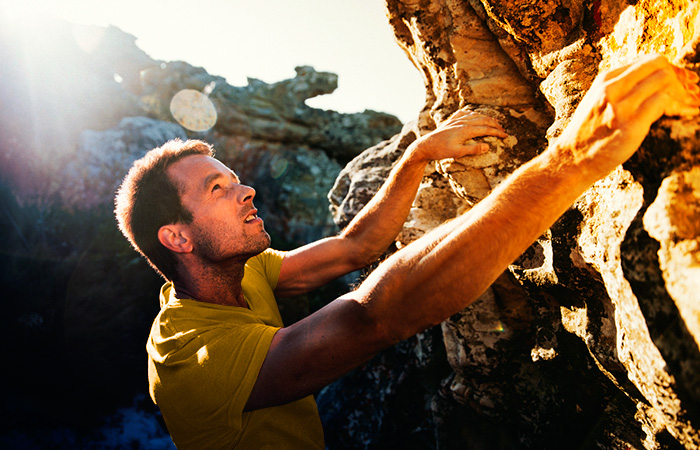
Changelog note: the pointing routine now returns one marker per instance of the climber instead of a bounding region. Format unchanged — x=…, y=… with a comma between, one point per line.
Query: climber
x=224, y=370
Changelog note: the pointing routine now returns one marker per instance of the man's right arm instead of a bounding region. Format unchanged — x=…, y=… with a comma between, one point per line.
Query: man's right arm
x=447, y=269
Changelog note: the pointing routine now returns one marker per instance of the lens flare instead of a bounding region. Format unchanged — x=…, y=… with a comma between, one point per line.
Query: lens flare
x=278, y=167
x=497, y=326
x=193, y=110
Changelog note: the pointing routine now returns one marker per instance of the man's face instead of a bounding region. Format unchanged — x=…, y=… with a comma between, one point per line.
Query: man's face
x=225, y=223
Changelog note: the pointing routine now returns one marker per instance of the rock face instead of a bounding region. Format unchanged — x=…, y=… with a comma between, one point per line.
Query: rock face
x=590, y=339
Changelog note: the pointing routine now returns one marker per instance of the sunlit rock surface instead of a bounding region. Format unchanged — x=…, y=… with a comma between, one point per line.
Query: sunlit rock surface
x=590, y=339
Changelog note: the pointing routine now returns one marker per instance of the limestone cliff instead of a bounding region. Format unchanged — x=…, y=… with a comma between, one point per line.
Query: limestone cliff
x=590, y=339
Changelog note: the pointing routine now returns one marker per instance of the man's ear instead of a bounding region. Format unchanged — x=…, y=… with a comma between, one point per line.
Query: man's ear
x=173, y=237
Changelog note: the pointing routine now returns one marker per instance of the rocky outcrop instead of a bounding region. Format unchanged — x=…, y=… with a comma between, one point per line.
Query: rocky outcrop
x=272, y=112
x=590, y=339
x=105, y=102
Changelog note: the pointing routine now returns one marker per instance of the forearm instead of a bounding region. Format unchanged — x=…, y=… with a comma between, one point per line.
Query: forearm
x=446, y=270
x=376, y=226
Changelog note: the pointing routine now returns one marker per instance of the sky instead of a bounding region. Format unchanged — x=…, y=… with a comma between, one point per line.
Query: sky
x=265, y=39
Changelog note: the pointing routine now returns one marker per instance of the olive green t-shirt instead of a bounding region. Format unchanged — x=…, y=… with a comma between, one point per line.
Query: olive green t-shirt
x=203, y=360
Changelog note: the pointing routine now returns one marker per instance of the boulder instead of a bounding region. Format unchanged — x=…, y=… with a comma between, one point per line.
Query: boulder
x=91, y=179
x=590, y=339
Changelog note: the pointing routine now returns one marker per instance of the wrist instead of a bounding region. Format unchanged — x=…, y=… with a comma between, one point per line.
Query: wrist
x=414, y=155
x=568, y=167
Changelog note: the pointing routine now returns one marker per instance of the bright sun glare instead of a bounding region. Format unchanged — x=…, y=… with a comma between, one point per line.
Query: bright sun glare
x=264, y=39
x=27, y=21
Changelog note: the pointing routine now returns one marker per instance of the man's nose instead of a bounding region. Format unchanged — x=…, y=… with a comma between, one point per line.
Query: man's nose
x=245, y=193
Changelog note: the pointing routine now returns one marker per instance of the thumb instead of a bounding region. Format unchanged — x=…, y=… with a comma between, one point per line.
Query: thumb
x=473, y=148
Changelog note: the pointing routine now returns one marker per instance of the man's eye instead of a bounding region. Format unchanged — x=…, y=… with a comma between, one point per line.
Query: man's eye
x=215, y=187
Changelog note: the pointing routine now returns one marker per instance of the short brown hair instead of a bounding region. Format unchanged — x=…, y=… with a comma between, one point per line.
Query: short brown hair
x=148, y=199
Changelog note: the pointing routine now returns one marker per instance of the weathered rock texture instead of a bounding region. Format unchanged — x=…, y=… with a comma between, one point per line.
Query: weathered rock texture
x=590, y=339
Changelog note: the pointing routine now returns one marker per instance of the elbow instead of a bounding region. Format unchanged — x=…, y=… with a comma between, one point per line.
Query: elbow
x=375, y=323
x=363, y=252
x=393, y=312
x=401, y=330
x=364, y=258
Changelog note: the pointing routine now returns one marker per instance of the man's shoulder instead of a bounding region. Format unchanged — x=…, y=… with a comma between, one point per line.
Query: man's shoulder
x=266, y=257
x=266, y=264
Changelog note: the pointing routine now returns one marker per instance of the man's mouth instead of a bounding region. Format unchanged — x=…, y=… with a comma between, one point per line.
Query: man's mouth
x=252, y=216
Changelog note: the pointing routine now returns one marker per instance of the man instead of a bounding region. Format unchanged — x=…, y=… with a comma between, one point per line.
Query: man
x=223, y=369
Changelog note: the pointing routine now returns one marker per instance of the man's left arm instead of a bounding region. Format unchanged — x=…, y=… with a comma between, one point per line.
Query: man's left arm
x=375, y=227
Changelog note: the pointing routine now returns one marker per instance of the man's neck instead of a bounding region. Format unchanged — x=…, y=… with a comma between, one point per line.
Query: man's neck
x=214, y=284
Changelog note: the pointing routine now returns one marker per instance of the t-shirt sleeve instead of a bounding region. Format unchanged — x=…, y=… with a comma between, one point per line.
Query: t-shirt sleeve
x=269, y=264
